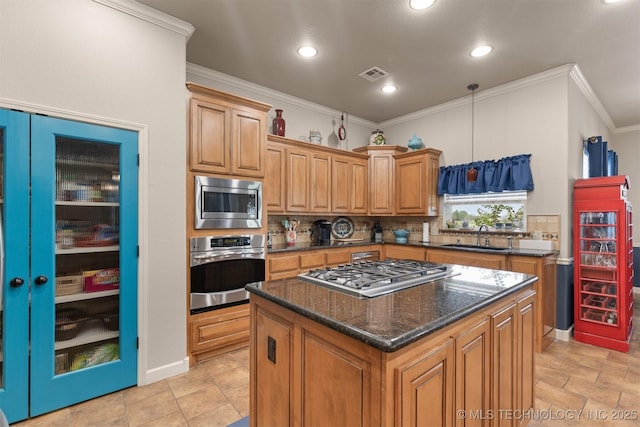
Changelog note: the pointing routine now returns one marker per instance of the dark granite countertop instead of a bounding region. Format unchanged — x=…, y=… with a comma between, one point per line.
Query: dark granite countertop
x=390, y=322
x=338, y=244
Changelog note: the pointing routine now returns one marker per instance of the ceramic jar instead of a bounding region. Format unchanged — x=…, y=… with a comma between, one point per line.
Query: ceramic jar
x=315, y=137
x=377, y=138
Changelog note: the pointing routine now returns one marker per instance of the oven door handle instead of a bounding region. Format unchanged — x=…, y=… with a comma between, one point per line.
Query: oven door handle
x=209, y=257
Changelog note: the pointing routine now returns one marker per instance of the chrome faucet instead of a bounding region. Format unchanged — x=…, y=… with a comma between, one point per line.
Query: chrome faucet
x=479, y=231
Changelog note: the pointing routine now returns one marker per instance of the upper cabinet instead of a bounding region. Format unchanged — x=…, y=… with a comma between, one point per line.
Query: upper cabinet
x=381, y=180
x=416, y=175
x=307, y=178
x=401, y=182
x=227, y=133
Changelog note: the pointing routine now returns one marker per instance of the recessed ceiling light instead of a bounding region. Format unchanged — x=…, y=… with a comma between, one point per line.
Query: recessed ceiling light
x=307, y=51
x=389, y=89
x=421, y=4
x=481, y=51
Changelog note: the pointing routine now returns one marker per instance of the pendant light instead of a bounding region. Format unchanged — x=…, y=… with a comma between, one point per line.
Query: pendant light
x=472, y=174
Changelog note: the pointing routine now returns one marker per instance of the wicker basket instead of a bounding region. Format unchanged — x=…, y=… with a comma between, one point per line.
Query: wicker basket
x=68, y=285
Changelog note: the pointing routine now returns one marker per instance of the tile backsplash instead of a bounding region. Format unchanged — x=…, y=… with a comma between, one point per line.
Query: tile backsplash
x=539, y=227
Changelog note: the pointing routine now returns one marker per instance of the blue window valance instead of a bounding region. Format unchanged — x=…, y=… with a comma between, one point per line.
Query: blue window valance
x=507, y=174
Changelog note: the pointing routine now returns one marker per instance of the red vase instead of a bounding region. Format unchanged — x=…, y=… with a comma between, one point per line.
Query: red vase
x=278, y=124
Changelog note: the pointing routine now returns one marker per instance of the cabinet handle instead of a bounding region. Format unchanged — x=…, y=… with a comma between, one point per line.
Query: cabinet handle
x=41, y=280
x=16, y=282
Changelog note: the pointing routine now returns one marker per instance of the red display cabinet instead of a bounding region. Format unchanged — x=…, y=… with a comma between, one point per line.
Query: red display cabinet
x=603, y=262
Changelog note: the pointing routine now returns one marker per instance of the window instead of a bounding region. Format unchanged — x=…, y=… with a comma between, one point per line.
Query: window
x=499, y=211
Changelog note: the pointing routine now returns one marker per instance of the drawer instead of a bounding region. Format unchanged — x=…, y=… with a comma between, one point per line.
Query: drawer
x=312, y=260
x=281, y=264
x=335, y=257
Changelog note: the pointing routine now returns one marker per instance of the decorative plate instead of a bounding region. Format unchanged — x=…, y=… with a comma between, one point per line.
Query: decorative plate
x=342, y=227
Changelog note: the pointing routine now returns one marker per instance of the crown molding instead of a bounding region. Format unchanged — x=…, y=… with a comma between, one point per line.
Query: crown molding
x=544, y=76
x=634, y=128
x=588, y=93
x=264, y=91
x=151, y=15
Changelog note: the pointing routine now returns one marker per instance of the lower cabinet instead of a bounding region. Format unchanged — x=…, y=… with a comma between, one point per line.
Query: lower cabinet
x=472, y=259
x=473, y=358
x=285, y=265
x=405, y=252
x=218, y=331
x=426, y=388
x=304, y=373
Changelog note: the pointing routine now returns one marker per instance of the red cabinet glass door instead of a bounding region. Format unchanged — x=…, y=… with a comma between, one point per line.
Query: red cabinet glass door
x=603, y=257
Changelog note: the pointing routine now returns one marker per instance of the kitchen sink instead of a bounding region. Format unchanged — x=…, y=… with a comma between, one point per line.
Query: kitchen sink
x=476, y=247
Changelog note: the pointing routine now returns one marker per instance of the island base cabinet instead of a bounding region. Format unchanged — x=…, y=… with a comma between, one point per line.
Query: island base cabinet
x=513, y=330
x=306, y=374
x=426, y=389
x=272, y=354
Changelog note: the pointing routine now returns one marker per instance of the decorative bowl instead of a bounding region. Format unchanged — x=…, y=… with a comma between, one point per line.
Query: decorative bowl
x=415, y=143
x=401, y=235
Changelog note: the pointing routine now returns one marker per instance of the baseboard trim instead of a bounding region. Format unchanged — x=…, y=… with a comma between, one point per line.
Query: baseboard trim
x=564, y=335
x=166, y=371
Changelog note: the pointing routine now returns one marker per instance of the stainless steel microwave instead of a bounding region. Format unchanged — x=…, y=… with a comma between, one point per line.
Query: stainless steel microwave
x=227, y=203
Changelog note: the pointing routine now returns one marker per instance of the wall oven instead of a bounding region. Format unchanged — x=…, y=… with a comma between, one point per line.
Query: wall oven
x=227, y=203
x=221, y=266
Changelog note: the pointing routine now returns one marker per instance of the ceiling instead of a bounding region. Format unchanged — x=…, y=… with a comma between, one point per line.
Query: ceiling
x=426, y=53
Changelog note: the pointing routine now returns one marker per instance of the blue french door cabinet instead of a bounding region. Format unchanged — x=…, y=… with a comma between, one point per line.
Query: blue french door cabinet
x=68, y=300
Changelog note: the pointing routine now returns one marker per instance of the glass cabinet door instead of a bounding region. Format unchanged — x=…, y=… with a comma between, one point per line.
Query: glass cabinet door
x=598, y=279
x=84, y=255
x=14, y=264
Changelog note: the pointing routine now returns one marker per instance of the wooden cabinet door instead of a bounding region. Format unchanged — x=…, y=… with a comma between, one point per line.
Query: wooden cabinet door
x=505, y=362
x=433, y=169
x=404, y=252
x=298, y=163
x=381, y=181
x=275, y=190
x=209, y=136
x=248, y=141
x=359, y=201
x=341, y=186
x=271, y=391
x=320, y=184
x=426, y=388
x=411, y=185
x=525, y=395
x=473, y=373
x=335, y=384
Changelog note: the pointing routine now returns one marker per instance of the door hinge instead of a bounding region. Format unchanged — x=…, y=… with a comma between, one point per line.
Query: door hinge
x=138, y=159
x=138, y=251
x=137, y=342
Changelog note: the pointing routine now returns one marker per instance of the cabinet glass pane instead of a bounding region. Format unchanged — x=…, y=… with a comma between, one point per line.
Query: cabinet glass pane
x=87, y=303
x=2, y=268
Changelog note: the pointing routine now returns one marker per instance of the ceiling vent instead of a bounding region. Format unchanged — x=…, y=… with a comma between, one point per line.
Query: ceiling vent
x=373, y=74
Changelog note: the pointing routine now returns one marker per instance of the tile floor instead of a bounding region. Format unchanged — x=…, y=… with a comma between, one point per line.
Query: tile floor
x=577, y=385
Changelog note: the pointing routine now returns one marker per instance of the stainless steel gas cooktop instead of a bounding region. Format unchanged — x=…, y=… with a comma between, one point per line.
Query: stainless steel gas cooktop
x=374, y=278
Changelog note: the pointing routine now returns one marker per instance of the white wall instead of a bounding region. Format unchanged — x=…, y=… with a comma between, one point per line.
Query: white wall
x=526, y=116
x=627, y=145
x=300, y=116
x=86, y=60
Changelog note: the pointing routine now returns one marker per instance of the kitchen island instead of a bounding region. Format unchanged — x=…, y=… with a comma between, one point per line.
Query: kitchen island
x=416, y=356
